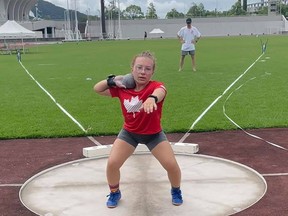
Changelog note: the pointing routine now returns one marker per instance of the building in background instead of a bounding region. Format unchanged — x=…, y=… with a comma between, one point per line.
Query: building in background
x=272, y=5
x=17, y=10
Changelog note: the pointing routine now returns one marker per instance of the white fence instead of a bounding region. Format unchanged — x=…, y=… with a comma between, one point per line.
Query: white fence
x=218, y=26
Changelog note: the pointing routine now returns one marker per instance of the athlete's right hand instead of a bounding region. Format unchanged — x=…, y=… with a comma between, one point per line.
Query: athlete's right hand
x=118, y=81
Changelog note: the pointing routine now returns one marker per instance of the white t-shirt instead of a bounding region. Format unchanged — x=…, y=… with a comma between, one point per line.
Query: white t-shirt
x=189, y=36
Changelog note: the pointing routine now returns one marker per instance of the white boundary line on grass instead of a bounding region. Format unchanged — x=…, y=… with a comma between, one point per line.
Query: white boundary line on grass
x=215, y=101
x=61, y=108
x=237, y=125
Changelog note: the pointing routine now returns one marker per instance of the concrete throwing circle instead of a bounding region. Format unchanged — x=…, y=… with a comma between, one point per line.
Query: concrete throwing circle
x=210, y=186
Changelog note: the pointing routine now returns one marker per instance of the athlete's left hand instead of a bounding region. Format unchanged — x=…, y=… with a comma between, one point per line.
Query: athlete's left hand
x=149, y=105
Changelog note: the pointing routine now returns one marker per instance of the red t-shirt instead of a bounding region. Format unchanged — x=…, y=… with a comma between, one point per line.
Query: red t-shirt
x=136, y=120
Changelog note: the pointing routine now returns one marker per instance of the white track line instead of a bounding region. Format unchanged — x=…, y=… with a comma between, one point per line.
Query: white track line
x=94, y=140
x=61, y=108
x=215, y=101
x=275, y=174
x=11, y=185
x=264, y=175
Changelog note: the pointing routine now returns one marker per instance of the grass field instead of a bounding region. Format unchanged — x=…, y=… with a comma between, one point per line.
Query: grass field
x=69, y=71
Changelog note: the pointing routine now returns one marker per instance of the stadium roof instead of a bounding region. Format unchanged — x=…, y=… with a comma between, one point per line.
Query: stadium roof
x=15, y=9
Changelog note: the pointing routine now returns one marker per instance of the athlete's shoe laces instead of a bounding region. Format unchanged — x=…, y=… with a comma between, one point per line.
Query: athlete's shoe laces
x=176, y=197
x=113, y=199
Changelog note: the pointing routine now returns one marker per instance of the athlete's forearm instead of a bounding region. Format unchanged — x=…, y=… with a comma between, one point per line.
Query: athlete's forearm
x=102, y=88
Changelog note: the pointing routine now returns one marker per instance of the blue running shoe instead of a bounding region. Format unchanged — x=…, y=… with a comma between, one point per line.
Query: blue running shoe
x=176, y=197
x=114, y=198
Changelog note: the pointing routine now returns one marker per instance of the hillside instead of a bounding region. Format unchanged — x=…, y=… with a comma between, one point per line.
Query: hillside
x=49, y=11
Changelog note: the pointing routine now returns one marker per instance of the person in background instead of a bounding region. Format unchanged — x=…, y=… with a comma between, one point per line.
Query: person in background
x=142, y=110
x=145, y=35
x=18, y=55
x=188, y=36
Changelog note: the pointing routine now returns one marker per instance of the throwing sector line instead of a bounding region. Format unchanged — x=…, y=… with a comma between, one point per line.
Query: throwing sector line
x=237, y=125
x=60, y=107
x=216, y=100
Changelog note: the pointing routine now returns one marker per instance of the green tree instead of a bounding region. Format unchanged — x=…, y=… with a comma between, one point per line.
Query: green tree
x=284, y=9
x=151, y=12
x=201, y=9
x=112, y=11
x=263, y=10
x=196, y=10
x=133, y=12
x=174, y=14
x=236, y=9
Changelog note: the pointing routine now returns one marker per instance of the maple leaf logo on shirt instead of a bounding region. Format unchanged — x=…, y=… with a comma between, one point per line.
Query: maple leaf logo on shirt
x=133, y=105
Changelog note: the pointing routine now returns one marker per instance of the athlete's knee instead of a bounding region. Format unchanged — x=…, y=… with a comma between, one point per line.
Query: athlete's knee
x=172, y=167
x=113, y=164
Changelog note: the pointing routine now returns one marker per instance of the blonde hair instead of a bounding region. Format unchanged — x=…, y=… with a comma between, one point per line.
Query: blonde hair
x=146, y=54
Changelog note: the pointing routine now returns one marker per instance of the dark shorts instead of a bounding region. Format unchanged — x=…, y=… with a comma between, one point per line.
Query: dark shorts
x=151, y=141
x=184, y=53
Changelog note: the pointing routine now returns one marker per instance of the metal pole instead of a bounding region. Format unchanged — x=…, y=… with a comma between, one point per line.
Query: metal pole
x=100, y=29
x=104, y=34
x=119, y=23
x=76, y=24
x=68, y=23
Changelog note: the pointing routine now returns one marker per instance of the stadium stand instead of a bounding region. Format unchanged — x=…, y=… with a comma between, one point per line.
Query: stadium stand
x=17, y=10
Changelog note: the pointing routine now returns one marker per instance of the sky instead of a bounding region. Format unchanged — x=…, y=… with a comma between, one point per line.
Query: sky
x=92, y=7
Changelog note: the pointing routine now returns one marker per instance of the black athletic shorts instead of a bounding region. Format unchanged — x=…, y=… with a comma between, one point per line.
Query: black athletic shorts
x=134, y=139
